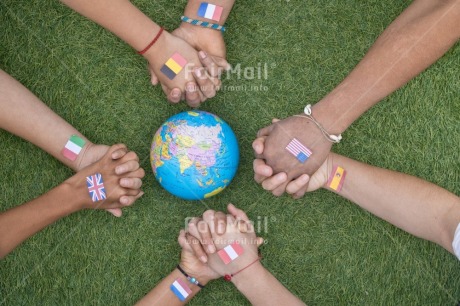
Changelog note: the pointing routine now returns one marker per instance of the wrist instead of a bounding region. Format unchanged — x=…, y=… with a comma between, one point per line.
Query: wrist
x=78, y=197
x=327, y=115
x=162, y=40
x=202, y=278
x=249, y=275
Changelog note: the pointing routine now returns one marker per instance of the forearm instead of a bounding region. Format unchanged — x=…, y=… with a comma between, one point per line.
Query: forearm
x=163, y=295
x=24, y=115
x=21, y=222
x=414, y=205
x=414, y=41
x=191, y=9
x=120, y=17
x=260, y=287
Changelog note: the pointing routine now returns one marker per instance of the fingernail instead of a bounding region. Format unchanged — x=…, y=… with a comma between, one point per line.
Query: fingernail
x=198, y=72
x=124, y=182
x=229, y=67
x=203, y=259
x=202, y=54
x=176, y=93
x=220, y=228
x=141, y=194
x=304, y=178
x=211, y=248
x=190, y=88
x=124, y=201
x=119, y=170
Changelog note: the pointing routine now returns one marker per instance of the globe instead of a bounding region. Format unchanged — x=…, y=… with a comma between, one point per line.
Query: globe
x=194, y=155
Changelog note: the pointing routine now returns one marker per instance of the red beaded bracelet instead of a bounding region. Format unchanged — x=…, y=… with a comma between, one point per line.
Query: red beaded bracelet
x=228, y=277
x=152, y=42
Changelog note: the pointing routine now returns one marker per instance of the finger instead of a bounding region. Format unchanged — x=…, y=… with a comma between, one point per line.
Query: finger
x=265, y=131
x=258, y=145
x=260, y=241
x=192, y=227
x=196, y=248
x=174, y=96
x=131, y=155
x=139, y=173
x=153, y=76
x=222, y=63
x=115, y=211
x=126, y=167
x=275, y=120
x=301, y=192
x=129, y=200
x=117, y=147
x=119, y=153
x=206, y=238
x=275, y=181
x=278, y=191
x=131, y=183
x=204, y=82
x=191, y=95
x=296, y=185
x=261, y=168
x=237, y=213
x=209, y=64
x=242, y=226
x=220, y=222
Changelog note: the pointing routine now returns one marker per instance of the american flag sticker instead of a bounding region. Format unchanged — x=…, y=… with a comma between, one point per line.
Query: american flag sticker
x=173, y=66
x=180, y=289
x=337, y=178
x=96, y=187
x=210, y=11
x=301, y=152
x=230, y=252
x=73, y=147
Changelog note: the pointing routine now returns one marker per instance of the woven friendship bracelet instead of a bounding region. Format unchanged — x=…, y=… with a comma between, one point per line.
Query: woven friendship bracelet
x=203, y=24
x=308, y=115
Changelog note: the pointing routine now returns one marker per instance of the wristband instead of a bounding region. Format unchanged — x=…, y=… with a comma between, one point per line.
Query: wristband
x=228, y=277
x=189, y=278
x=151, y=43
x=308, y=115
x=203, y=24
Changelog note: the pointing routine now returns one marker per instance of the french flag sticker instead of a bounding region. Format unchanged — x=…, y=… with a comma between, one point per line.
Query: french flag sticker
x=180, y=289
x=230, y=252
x=210, y=11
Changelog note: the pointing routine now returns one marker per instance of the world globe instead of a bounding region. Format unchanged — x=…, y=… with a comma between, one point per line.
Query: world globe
x=194, y=155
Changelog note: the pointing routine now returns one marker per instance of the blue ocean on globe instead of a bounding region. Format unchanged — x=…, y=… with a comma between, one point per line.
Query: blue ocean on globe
x=194, y=155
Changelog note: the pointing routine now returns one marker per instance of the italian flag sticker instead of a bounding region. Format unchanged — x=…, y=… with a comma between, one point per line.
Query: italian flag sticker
x=73, y=147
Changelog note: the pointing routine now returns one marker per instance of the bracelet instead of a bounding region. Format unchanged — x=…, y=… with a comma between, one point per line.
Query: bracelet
x=203, y=24
x=152, y=42
x=308, y=115
x=189, y=278
x=228, y=277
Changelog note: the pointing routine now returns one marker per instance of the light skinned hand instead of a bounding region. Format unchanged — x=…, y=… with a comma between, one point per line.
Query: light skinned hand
x=122, y=180
x=195, y=83
x=200, y=230
x=275, y=168
x=190, y=262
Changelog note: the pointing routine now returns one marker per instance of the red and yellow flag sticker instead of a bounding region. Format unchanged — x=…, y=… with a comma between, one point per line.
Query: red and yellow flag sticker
x=337, y=178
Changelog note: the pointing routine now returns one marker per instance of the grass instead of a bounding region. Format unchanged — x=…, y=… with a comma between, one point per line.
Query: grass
x=323, y=248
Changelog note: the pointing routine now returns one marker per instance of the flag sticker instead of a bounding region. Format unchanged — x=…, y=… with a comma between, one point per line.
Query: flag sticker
x=210, y=11
x=96, y=187
x=337, y=178
x=180, y=289
x=173, y=66
x=73, y=147
x=230, y=252
x=301, y=152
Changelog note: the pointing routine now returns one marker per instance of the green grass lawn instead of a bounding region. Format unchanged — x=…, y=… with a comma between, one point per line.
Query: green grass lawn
x=323, y=248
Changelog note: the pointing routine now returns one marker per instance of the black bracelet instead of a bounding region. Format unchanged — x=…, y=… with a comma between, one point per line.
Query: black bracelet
x=189, y=278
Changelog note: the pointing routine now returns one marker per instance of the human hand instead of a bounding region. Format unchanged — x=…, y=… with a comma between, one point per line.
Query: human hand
x=199, y=229
x=236, y=230
x=94, y=152
x=194, y=83
x=190, y=263
x=277, y=169
x=121, y=176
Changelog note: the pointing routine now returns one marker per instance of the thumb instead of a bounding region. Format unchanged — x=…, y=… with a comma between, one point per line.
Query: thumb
x=115, y=211
x=153, y=78
x=260, y=241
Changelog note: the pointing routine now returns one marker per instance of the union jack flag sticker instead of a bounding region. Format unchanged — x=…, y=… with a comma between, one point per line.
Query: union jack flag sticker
x=96, y=187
